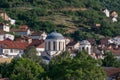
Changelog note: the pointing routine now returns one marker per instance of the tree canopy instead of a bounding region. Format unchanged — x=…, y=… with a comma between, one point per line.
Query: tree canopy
x=81, y=67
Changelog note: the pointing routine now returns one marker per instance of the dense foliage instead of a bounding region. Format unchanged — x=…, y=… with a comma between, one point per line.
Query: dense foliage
x=110, y=60
x=21, y=69
x=84, y=14
x=62, y=67
x=81, y=67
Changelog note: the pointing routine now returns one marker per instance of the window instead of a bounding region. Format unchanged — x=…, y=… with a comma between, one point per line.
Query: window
x=49, y=45
x=54, y=45
x=83, y=48
x=6, y=51
x=11, y=50
x=59, y=46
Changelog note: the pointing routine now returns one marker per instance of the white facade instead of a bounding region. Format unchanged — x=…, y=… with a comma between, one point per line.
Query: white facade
x=114, y=19
x=43, y=36
x=6, y=28
x=12, y=21
x=55, y=47
x=40, y=51
x=107, y=12
x=86, y=46
x=11, y=52
x=2, y=37
x=9, y=36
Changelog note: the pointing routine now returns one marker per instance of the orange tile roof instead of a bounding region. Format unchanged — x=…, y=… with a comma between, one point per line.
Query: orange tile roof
x=7, y=44
x=36, y=42
x=110, y=71
x=19, y=30
x=42, y=45
x=36, y=33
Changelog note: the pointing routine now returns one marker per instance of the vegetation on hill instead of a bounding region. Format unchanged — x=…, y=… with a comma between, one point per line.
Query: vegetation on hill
x=66, y=16
x=62, y=67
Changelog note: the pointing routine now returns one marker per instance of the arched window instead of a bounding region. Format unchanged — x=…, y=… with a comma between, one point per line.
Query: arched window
x=83, y=48
x=87, y=49
x=59, y=46
x=54, y=45
x=49, y=45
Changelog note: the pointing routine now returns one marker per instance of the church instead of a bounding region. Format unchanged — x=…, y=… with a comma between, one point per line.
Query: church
x=54, y=45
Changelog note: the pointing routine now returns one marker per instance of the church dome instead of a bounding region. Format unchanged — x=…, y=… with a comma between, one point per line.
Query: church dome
x=55, y=35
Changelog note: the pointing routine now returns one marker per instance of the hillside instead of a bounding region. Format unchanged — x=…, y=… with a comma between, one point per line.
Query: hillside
x=65, y=16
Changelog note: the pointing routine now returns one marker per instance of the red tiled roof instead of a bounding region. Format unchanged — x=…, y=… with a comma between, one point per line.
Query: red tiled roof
x=7, y=44
x=36, y=42
x=19, y=30
x=23, y=27
x=42, y=45
x=92, y=41
x=4, y=79
x=104, y=40
x=21, y=38
x=71, y=43
x=36, y=33
x=110, y=71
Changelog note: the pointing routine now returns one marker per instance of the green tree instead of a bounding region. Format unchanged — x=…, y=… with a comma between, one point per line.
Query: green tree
x=110, y=60
x=81, y=67
x=31, y=53
x=26, y=69
x=22, y=69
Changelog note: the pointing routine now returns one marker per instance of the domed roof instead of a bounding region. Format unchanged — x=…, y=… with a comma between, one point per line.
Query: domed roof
x=85, y=42
x=55, y=35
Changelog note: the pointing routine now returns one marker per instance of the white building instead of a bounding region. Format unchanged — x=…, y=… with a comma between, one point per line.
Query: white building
x=85, y=46
x=40, y=48
x=9, y=36
x=5, y=27
x=54, y=45
x=39, y=35
x=12, y=48
x=107, y=12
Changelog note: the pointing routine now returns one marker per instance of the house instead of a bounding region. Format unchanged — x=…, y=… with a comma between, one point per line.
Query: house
x=5, y=27
x=73, y=45
x=39, y=45
x=68, y=40
x=22, y=30
x=39, y=35
x=111, y=44
x=4, y=15
x=114, y=19
x=9, y=36
x=22, y=38
x=40, y=48
x=107, y=12
x=4, y=35
x=12, y=21
x=4, y=79
x=85, y=46
x=12, y=48
x=112, y=73
x=114, y=14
